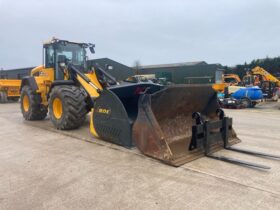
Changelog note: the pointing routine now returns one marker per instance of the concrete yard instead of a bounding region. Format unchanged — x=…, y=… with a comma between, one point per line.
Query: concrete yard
x=42, y=168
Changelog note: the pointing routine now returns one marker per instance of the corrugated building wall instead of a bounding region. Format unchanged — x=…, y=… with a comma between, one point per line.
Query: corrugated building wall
x=119, y=71
x=185, y=73
x=15, y=73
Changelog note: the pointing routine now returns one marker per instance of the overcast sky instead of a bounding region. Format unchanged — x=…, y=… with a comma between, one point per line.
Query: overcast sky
x=151, y=31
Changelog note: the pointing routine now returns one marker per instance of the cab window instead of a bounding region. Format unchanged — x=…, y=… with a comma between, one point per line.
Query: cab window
x=49, y=57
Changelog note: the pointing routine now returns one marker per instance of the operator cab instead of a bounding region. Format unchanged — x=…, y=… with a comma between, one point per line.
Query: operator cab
x=57, y=52
x=249, y=80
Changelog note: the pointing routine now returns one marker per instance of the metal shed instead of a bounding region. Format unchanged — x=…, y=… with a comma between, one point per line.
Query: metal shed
x=15, y=73
x=118, y=70
x=185, y=73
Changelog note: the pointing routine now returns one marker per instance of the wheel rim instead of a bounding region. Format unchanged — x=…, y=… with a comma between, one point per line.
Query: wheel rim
x=57, y=108
x=25, y=103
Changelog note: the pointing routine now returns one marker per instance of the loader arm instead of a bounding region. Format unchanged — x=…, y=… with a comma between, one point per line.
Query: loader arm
x=269, y=77
x=232, y=79
x=88, y=81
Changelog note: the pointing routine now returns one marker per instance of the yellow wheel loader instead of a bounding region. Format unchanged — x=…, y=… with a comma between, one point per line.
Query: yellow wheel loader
x=9, y=90
x=174, y=124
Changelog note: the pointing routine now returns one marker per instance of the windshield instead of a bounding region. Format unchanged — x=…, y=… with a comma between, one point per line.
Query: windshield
x=74, y=53
x=248, y=80
x=230, y=80
x=65, y=52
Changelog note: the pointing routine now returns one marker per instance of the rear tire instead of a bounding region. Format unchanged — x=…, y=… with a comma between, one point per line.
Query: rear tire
x=31, y=107
x=67, y=107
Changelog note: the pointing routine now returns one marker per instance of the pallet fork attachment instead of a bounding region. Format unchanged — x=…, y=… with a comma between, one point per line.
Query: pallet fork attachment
x=207, y=133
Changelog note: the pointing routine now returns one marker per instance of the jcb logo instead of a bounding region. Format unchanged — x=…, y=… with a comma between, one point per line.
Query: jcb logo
x=104, y=111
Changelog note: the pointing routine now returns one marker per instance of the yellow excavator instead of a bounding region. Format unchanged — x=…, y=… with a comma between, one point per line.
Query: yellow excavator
x=174, y=124
x=266, y=75
x=232, y=79
x=227, y=80
x=269, y=84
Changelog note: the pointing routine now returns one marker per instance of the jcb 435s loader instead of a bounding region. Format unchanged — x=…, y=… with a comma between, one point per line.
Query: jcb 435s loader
x=174, y=124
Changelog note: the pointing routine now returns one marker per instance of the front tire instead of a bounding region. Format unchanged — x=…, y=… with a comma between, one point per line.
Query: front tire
x=67, y=107
x=31, y=107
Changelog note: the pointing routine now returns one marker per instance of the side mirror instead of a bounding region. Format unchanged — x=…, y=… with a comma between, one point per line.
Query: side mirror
x=62, y=65
x=91, y=48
